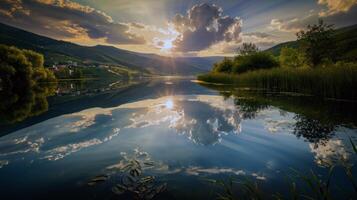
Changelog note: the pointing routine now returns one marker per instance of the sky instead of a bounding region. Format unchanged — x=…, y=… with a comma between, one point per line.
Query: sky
x=175, y=27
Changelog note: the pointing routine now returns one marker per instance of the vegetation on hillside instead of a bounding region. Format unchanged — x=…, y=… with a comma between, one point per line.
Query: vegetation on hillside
x=249, y=58
x=56, y=51
x=344, y=39
x=24, y=84
x=310, y=69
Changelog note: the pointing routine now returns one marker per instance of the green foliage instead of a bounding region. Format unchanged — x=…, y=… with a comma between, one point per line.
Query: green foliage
x=22, y=92
x=248, y=62
x=317, y=42
x=224, y=66
x=290, y=57
x=336, y=81
x=247, y=49
x=259, y=60
x=34, y=58
x=344, y=39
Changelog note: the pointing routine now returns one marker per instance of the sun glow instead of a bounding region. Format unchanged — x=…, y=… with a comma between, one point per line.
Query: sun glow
x=167, y=45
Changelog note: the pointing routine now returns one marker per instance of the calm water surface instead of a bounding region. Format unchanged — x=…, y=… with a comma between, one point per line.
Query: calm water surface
x=189, y=133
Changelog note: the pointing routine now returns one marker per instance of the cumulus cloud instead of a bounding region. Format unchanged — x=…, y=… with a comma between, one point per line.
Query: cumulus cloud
x=340, y=12
x=262, y=40
x=336, y=6
x=289, y=25
x=65, y=19
x=203, y=26
x=330, y=153
x=9, y=7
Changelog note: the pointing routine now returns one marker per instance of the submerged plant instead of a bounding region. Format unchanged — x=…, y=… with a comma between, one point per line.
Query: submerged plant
x=316, y=188
x=319, y=189
x=250, y=189
x=132, y=182
x=135, y=184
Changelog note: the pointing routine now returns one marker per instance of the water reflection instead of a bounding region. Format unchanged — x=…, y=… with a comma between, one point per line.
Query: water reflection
x=319, y=122
x=91, y=87
x=17, y=105
x=202, y=119
x=189, y=137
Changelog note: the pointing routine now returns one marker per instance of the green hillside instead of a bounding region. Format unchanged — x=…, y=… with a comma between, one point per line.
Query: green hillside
x=345, y=39
x=58, y=51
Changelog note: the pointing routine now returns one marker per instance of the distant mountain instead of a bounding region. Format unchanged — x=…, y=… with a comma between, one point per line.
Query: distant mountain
x=345, y=39
x=58, y=51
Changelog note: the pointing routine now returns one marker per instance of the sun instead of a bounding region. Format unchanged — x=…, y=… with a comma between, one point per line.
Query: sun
x=167, y=45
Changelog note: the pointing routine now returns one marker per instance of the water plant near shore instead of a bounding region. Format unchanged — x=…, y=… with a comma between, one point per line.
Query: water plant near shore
x=336, y=81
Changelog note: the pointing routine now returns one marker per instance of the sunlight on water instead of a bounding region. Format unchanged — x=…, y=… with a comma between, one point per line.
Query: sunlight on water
x=188, y=137
x=169, y=104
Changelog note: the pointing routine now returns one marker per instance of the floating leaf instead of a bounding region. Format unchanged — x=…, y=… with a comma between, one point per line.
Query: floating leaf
x=149, y=163
x=353, y=145
x=161, y=188
x=147, y=179
x=126, y=167
x=97, y=179
x=119, y=189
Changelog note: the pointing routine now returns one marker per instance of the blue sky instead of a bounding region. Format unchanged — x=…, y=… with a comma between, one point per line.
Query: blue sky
x=175, y=27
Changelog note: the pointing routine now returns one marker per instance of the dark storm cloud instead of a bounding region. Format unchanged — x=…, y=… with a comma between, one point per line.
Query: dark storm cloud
x=66, y=19
x=203, y=26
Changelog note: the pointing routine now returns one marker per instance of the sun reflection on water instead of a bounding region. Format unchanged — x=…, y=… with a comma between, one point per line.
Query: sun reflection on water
x=169, y=104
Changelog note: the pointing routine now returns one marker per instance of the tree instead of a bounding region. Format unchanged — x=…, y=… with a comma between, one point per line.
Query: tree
x=247, y=49
x=21, y=95
x=224, y=66
x=34, y=58
x=317, y=42
x=290, y=57
x=256, y=61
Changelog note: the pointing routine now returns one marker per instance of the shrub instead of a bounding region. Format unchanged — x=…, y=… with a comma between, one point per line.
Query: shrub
x=224, y=66
x=259, y=60
x=248, y=49
x=290, y=57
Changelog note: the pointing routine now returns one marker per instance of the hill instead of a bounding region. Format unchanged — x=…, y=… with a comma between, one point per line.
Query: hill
x=56, y=51
x=345, y=39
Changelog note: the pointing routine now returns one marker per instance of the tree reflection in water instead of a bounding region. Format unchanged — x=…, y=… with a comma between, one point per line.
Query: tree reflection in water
x=316, y=119
x=17, y=105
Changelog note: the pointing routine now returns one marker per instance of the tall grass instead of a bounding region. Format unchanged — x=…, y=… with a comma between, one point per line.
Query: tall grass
x=336, y=81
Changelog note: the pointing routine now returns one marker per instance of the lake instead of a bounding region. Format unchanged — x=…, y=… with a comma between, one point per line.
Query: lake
x=173, y=138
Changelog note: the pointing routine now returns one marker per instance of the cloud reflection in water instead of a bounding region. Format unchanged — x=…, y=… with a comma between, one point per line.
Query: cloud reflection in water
x=203, y=119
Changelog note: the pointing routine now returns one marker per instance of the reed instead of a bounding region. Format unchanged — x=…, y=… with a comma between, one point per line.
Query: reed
x=335, y=81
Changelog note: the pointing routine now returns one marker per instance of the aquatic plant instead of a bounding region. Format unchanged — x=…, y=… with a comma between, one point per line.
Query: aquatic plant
x=335, y=81
x=132, y=182
x=135, y=184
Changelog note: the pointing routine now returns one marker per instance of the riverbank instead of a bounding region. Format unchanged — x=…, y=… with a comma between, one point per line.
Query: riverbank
x=337, y=81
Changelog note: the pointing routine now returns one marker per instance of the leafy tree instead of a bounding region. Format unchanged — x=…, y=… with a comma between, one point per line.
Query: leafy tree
x=247, y=49
x=317, y=42
x=21, y=95
x=34, y=58
x=290, y=57
x=259, y=60
x=224, y=66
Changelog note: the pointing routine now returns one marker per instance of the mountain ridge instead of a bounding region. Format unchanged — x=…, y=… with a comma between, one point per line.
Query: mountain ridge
x=58, y=50
x=344, y=37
